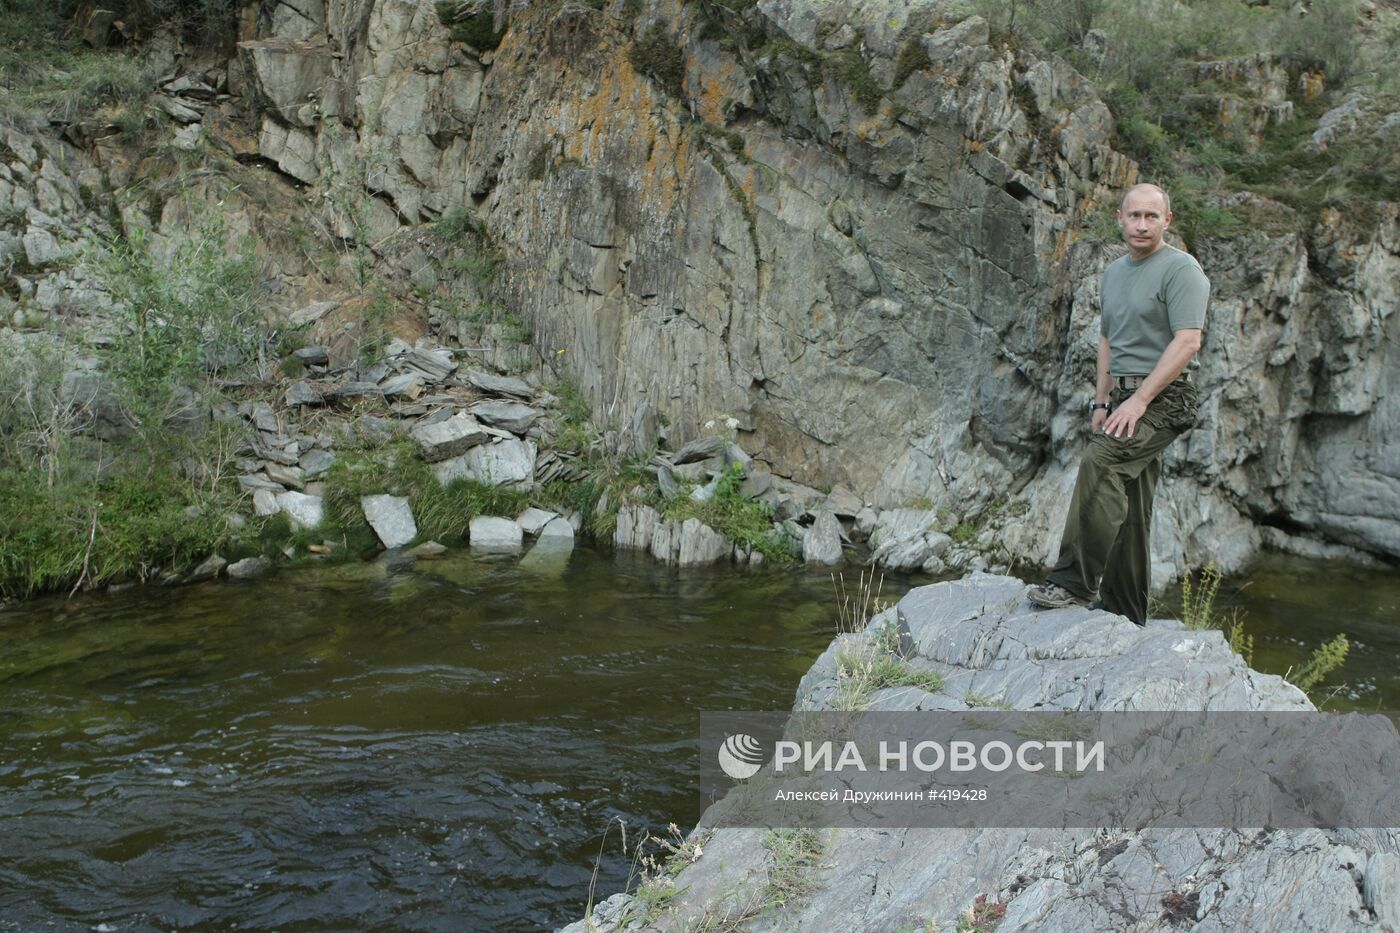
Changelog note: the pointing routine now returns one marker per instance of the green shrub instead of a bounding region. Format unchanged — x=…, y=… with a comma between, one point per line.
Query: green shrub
x=912, y=57
x=657, y=56
x=1325, y=659
x=182, y=318
x=472, y=23
x=707, y=131
x=476, y=252
x=851, y=68
x=744, y=521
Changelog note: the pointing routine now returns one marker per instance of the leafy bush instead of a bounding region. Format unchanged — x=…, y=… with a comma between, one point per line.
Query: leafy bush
x=472, y=23
x=747, y=522
x=1198, y=611
x=476, y=253
x=912, y=57
x=1325, y=659
x=658, y=56
x=851, y=67
x=76, y=512
x=183, y=317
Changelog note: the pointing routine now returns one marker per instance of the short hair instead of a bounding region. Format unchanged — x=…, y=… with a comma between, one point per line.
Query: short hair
x=1166, y=198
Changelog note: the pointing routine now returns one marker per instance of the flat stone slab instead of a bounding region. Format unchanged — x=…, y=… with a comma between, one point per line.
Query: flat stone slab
x=532, y=520
x=404, y=385
x=313, y=312
x=348, y=392
x=305, y=511
x=313, y=356
x=301, y=393
x=248, y=568
x=557, y=530
x=489, y=533
x=391, y=518
x=498, y=385
x=511, y=416
x=315, y=462
x=286, y=475
x=448, y=438
x=432, y=365
x=258, y=481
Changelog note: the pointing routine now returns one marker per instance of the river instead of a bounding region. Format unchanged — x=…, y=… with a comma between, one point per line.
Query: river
x=430, y=746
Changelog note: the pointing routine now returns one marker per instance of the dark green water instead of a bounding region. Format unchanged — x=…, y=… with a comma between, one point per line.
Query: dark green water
x=1292, y=606
x=430, y=747
x=437, y=747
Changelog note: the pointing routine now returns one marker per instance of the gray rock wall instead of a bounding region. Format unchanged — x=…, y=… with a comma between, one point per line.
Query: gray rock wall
x=895, y=296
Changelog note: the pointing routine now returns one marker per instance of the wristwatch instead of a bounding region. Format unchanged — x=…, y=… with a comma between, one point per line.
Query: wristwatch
x=1097, y=406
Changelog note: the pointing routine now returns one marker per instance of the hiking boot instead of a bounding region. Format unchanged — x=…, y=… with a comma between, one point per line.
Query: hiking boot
x=1050, y=596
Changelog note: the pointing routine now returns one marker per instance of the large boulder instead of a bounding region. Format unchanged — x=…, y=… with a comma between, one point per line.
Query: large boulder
x=991, y=647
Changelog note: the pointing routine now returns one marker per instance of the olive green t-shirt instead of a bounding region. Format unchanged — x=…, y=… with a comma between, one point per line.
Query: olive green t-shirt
x=1145, y=301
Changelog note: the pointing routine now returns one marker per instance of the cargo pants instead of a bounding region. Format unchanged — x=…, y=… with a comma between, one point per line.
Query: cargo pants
x=1106, y=545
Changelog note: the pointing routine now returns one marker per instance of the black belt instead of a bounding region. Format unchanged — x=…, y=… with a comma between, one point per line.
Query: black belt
x=1132, y=382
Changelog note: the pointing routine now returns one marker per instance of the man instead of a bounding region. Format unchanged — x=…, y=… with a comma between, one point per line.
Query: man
x=1153, y=304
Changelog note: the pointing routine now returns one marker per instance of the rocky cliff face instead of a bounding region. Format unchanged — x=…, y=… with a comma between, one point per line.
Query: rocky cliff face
x=860, y=229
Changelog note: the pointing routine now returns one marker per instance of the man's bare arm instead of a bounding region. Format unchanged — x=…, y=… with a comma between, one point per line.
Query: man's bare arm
x=1104, y=386
x=1185, y=344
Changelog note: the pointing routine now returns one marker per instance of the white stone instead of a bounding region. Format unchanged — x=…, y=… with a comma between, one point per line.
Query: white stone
x=903, y=539
x=494, y=534
x=211, y=567
x=1381, y=888
x=40, y=247
x=510, y=415
x=249, y=567
x=304, y=511
x=558, y=529
x=391, y=518
x=265, y=502
x=532, y=520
